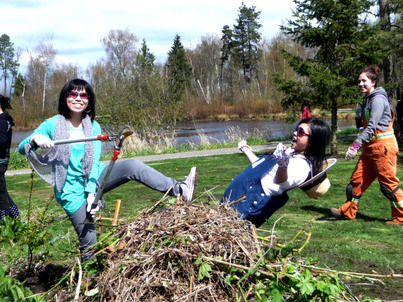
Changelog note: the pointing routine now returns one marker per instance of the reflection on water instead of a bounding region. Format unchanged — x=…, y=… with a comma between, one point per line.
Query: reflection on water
x=188, y=132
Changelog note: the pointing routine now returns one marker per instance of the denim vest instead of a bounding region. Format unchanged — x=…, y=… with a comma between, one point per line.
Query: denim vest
x=254, y=205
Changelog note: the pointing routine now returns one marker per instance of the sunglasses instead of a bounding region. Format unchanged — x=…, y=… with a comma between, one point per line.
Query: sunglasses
x=75, y=94
x=301, y=132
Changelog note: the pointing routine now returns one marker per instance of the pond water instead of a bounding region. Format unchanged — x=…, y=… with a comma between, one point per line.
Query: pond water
x=218, y=131
x=214, y=131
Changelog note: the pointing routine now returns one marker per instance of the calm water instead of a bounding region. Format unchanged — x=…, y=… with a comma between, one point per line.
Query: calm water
x=216, y=131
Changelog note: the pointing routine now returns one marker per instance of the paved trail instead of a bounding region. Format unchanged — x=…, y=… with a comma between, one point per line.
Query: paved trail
x=150, y=158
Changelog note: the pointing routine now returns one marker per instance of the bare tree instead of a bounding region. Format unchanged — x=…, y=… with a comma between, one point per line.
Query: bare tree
x=47, y=56
x=121, y=52
x=204, y=59
x=40, y=64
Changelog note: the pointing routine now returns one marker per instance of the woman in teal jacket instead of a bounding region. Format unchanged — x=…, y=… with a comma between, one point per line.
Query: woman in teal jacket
x=76, y=168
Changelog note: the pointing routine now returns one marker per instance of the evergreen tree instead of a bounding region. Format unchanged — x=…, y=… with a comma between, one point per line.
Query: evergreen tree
x=345, y=43
x=145, y=79
x=145, y=59
x=19, y=85
x=178, y=71
x=245, y=40
x=226, y=49
x=8, y=65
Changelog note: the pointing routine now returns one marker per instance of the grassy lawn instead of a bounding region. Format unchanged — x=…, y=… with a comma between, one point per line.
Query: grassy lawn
x=365, y=245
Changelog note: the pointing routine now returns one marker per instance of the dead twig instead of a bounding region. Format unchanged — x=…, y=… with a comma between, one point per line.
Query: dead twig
x=80, y=275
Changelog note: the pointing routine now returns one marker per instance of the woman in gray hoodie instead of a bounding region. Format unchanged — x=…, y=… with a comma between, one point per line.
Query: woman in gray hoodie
x=378, y=159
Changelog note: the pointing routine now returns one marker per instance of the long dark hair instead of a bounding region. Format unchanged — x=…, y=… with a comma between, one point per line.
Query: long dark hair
x=77, y=84
x=5, y=102
x=318, y=140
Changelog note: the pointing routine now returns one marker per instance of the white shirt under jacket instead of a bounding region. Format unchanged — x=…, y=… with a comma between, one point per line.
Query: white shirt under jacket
x=298, y=171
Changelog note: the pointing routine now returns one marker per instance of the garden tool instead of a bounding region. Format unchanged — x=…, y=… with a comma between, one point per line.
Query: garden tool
x=125, y=132
x=44, y=168
x=101, y=137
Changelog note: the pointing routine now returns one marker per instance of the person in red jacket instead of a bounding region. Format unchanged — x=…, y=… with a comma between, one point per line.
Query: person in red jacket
x=379, y=154
x=7, y=205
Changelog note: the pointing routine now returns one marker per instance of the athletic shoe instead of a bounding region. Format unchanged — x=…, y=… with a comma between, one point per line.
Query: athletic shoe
x=189, y=184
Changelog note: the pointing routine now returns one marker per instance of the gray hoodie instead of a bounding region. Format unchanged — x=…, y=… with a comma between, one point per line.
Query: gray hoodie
x=377, y=106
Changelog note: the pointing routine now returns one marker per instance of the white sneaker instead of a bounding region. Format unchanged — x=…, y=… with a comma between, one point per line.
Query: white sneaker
x=189, y=184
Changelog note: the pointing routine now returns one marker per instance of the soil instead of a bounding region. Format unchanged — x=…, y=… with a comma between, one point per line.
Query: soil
x=43, y=278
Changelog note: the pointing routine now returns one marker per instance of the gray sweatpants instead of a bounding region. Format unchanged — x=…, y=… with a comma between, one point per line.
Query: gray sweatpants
x=122, y=172
x=133, y=169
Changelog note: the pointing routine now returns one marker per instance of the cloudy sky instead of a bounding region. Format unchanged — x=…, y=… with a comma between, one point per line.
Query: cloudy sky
x=76, y=27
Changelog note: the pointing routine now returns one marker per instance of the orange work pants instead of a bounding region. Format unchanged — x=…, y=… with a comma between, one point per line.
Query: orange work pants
x=378, y=160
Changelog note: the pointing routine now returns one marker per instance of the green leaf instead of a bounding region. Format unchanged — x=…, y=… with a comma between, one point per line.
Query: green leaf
x=276, y=295
x=285, y=251
x=323, y=287
x=20, y=293
x=290, y=269
x=228, y=279
x=305, y=285
x=204, y=270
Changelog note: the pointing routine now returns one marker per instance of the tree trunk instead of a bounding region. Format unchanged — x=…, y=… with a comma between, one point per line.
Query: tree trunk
x=44, y=94
x=387, y=63
x=333, y=127
x=23, y=97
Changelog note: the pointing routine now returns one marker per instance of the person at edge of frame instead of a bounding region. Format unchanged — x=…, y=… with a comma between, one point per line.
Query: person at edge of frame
x=378, y=159
x=7, y=205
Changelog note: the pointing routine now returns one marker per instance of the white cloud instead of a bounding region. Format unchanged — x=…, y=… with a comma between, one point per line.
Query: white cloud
x=77, y=26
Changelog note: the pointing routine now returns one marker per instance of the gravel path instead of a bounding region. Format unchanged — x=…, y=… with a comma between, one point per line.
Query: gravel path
x=150, y=158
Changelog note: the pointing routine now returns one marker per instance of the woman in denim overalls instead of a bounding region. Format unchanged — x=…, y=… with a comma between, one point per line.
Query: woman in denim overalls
x=261, y=189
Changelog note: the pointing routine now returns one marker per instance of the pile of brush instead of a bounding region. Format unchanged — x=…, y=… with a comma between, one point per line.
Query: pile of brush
x=182, y=252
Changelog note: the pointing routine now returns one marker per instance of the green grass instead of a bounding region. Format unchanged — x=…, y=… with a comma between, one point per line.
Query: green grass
x=364, y=245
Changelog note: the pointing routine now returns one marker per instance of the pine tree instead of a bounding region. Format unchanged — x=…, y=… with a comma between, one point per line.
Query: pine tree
x=8, y=65
x=178, y=71
x=145, y=59
x=245, y=40
x=345, y=43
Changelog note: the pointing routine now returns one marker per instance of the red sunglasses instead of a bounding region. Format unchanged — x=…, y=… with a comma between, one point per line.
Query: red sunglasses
x=301, y=132
x=75, y=94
